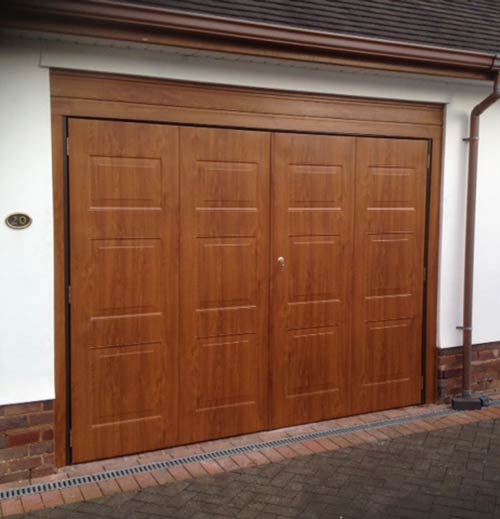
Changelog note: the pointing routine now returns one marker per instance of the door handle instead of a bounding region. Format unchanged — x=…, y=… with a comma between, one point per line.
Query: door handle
x=281, y=262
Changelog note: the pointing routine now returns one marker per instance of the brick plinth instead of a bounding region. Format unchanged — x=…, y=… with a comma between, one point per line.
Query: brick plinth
x=26, y=440
x=485, y=370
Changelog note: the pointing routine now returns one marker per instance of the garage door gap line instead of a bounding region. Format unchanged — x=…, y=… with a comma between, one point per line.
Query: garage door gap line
x=153, y=466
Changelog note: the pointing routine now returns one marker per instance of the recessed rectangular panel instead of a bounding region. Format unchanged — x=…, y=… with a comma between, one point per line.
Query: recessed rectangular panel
x=397, y=306
x=129, y=382
x=389, y=346
x=226, y=272
x=314, y=361
x=226, y=184
x=315, y=184
x=123, y=182
x=126, y=277
x=314, y=314
x=222, y=375
x=389, y=264
x=315, y=222
x=124, y=330
x=131, y=224
x=221, y=222
x=314, y=268
x=391, y=184
x=390, y=219
x=220, y=322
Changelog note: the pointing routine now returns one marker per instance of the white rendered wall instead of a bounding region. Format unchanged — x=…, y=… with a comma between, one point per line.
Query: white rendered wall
x=487, y=260
x=33, y=353
x=26, y=257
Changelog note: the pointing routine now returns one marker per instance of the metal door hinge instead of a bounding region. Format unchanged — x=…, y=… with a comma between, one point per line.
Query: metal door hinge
x=67, y=146
x=422, y=382
x=69, y=294
x=429, y=159
x=425, y=274
x=71, y=438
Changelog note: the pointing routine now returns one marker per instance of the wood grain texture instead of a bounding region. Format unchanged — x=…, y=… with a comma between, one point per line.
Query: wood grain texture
x=348, y=219
x=391, y=184
x=432, y=260
x=313, y=196
x=225, y=285
x=124, y=280
x=119, y=97
x=61, y=353
x=142, y=92
x=347, y=307
x=230, y=110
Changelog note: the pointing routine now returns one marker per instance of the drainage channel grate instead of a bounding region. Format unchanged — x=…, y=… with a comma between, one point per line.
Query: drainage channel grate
x=207, y=456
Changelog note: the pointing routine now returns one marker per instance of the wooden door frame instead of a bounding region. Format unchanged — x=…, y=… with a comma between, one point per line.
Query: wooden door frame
x=106, y=96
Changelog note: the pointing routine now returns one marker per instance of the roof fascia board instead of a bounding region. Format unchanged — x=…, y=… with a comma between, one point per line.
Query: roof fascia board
x=122, y=20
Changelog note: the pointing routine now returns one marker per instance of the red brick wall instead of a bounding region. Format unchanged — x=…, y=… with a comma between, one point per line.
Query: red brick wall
x=26, y=440
x=485, y=369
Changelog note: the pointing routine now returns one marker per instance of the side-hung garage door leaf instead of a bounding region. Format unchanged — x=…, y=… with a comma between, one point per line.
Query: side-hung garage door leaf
x=124, y=240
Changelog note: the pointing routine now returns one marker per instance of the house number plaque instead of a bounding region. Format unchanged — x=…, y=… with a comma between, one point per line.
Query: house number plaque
x=18, y=221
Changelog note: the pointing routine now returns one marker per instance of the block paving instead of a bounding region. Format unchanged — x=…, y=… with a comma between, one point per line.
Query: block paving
x=425, y=468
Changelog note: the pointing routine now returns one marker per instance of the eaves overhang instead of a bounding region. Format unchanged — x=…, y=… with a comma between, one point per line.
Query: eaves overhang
x=126, y=21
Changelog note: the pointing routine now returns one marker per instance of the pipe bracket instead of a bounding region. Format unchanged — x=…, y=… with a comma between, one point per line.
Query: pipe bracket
x=466, y=328
x=468, y=139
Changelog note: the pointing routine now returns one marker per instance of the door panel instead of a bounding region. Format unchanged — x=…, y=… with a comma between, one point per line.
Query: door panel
x=391, y=180
x=173, y=337
x=225, y=287
x=123, y=188
x=312, y=194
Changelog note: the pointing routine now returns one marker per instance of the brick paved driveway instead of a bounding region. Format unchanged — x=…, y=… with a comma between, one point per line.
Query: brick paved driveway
x=453, y=472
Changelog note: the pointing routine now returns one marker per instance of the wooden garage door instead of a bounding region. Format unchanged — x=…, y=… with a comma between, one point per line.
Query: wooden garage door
x=224, y=282
x=134, y=354
x=124, y=309
x=388, y=267
x=313, y=201
x=228, y=281
x=347, y=275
